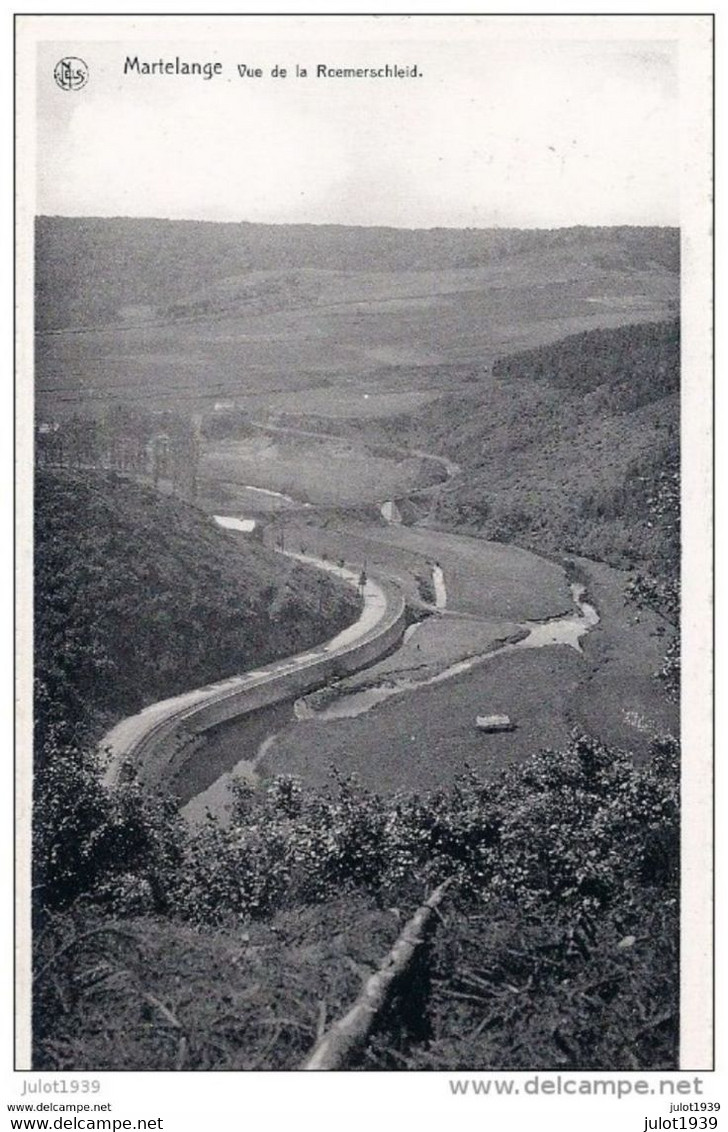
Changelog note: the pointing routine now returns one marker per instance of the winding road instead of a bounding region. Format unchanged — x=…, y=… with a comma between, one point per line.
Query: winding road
x=147, y=740
x=150, y=739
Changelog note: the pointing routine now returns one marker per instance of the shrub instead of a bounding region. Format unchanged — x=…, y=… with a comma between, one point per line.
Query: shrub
x=97, y=844
x=577, y=827
x=558, y=948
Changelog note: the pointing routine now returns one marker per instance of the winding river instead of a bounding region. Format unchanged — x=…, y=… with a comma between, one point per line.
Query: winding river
x=565, y=630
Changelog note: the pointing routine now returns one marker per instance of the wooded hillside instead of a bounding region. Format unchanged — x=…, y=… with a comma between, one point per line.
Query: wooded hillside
x=139, y=597
x=572, y=447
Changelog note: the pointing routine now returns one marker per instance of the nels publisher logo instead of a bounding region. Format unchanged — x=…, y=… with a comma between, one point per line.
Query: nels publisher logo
x=71, y=73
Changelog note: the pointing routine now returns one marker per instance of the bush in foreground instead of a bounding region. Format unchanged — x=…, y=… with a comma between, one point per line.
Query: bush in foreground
x=559, y=949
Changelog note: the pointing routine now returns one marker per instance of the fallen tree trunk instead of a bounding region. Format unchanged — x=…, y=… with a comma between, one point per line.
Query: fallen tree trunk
x=349, y=1033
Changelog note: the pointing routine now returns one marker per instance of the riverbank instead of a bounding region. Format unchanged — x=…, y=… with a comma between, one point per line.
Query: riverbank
x=164, y=738
x=426, y=737
x=409, y=719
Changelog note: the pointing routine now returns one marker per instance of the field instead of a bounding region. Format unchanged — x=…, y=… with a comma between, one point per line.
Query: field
x=432, y=646
x=486, y=579
x=324, y=361
x=424, y=738
x=339, y=322
x=330, y=472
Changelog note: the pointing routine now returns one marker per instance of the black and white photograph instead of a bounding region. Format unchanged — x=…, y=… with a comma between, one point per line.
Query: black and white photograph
x=364, y=403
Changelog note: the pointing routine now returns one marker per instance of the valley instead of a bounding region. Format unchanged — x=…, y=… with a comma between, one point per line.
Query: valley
x=485, y=427
x=408, y=721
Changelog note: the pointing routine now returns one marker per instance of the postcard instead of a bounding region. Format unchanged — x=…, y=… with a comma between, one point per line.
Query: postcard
x=364, y=554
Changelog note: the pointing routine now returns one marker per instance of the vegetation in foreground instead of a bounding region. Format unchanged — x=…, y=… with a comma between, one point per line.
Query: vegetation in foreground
x=559, y=949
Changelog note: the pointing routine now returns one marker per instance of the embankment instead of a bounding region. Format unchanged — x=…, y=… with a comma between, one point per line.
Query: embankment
x=163, y=736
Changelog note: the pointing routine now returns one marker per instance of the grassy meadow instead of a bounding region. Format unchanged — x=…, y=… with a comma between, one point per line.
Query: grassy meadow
x=425, y=737
x=330, y=472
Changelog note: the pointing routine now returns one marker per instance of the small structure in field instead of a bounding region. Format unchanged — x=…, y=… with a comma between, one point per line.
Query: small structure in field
x=250, y=527
x=230, y=523
x=494, y=723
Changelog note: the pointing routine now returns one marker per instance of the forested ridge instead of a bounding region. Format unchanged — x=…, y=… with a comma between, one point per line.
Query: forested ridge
x=575, y=447
x=629, y=365
x=91, y=270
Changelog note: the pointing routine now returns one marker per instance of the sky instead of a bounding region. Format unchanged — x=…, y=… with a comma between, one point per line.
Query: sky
x=508, y=130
